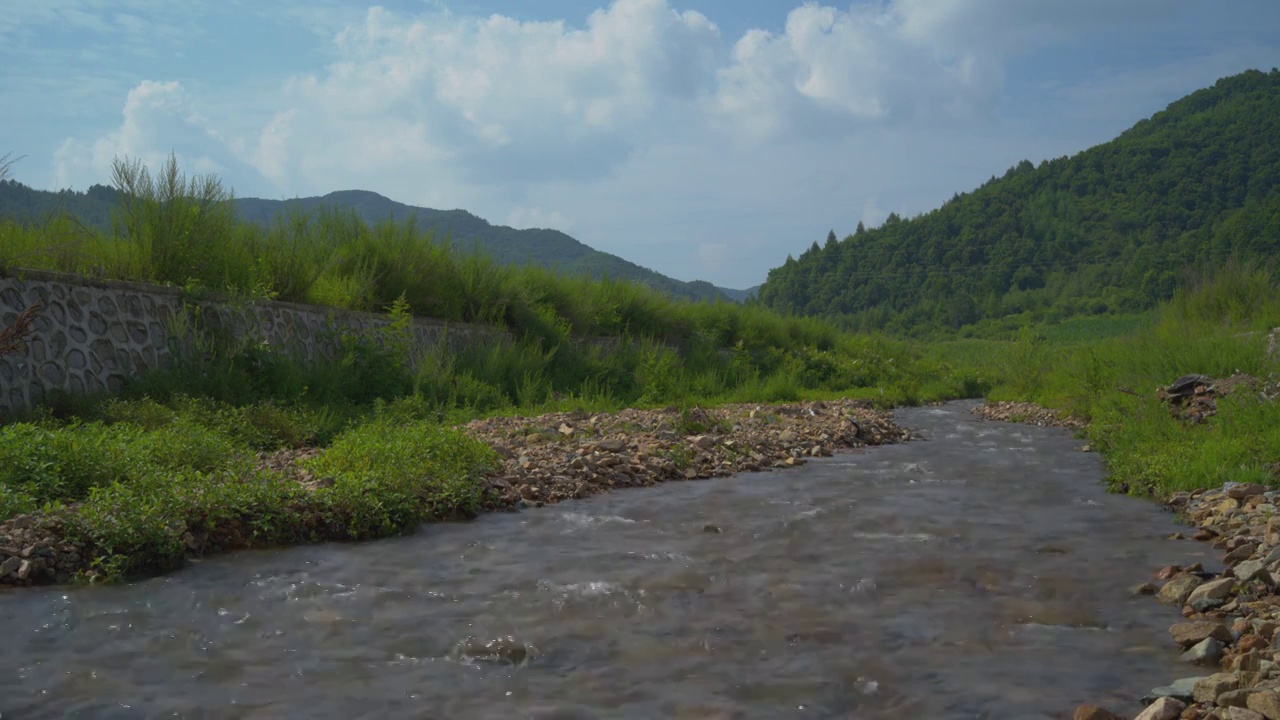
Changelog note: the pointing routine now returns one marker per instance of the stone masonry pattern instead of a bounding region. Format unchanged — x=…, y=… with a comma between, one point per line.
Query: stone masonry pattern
x=91, y=336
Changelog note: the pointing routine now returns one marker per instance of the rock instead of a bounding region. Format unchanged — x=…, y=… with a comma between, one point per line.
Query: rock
x=1191, y=633
x=1176, y=591
x=704, y=441
x=1239, y=713
x=1265, y=703
x=1179, y=689
x=1248, y=570
x=10, y=565
x=1234, y=698
x=1210, y=594
x=1243, y=491
x=1208, y=689
x=1093, y=712
x=24, y=570
x=1250, y=642
x=1168, y=572
x=612, y=445
x=1165, y=708
x=1240, y=553
x=502, y=650
x=711, y=528
x=1247, y=662
x=1205, y=652
x=1143, y=589
x=1205, y=534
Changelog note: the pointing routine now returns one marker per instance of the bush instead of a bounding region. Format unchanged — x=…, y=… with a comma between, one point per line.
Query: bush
x=389, y=476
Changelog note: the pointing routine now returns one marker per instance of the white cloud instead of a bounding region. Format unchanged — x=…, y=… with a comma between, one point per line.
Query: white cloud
x=831, y=71
x=158, y=118
x=489, y=101
x=641, y=127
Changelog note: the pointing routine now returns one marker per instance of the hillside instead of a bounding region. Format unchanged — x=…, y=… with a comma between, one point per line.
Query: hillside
x=1117, y=227
x=548, y=248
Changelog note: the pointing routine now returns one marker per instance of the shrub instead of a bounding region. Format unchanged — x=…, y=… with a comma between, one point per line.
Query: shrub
x=389, y=476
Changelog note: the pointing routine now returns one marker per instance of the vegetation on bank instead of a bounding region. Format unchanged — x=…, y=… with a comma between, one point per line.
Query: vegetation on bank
x=1220, y=327
x=91, y=212
x=176, y=453
x=1113, y=229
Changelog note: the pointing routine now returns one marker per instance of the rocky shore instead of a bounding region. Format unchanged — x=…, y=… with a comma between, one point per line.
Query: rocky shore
x=556, y=457
x=1230, y=627
x=544, y=460
x=1229, y=631
x=1027, y=413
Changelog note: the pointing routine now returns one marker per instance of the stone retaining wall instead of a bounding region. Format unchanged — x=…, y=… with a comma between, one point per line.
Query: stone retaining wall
x=92, y=335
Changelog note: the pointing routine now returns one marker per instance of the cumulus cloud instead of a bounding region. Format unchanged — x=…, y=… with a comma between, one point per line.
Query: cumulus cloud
x=490, y=100
x=452, y=106
x=158, y=118
x=641, y=126
x=830, y=69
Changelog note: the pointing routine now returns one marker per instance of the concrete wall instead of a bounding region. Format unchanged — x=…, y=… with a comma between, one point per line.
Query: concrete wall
x=91, y=335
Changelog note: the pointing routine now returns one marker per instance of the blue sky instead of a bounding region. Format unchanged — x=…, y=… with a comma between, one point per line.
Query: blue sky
x=703, y=138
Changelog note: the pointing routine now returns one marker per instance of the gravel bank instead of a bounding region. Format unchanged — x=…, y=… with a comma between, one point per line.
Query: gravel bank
x=545, y=459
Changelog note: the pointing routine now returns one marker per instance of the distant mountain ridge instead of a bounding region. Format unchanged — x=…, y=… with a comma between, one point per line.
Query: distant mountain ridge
x=548, y=248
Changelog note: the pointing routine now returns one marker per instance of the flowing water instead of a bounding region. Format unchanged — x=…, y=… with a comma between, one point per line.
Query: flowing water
x=981, y=572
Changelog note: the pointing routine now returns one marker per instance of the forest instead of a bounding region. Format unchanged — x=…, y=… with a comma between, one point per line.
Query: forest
x=1117, y=228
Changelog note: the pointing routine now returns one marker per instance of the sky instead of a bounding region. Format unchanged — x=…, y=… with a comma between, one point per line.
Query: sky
x=706, y=139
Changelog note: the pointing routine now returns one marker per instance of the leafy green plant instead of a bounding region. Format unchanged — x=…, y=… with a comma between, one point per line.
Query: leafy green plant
x=389, y=477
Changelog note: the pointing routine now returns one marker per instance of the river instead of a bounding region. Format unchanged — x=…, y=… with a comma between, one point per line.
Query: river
x=980, y=572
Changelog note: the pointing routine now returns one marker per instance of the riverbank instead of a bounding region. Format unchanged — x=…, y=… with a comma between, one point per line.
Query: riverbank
x=1230, y=622
x=1229, y=632
x=312, y=494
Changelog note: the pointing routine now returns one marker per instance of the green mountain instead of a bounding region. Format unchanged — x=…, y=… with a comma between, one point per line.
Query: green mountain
x=1117, y=227
x=549, y=248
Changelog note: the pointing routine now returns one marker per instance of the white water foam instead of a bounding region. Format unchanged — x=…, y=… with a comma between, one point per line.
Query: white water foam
x=906, y=537
x=579, y=521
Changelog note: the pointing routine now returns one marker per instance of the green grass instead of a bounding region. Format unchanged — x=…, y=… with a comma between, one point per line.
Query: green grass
x=173, y=456
x=133, y=491
x=184, y=232
x=1217, y=328
x=1088, y=329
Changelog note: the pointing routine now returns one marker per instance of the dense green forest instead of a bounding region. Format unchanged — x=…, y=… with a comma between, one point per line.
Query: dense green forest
x=1116, y=228
x=541, y=247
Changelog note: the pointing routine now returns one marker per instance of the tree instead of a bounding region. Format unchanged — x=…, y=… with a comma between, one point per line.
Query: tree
x=1114, y=226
